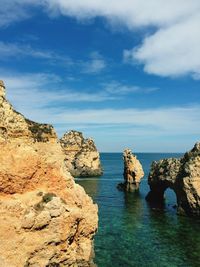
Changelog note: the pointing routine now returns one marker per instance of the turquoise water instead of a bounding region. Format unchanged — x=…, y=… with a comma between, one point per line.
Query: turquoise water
x=130, y=232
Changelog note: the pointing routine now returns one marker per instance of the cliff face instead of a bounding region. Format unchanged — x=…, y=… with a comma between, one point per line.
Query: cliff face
x=45, y=218
x=133, y=172
x=182, y=176
x=81, y=155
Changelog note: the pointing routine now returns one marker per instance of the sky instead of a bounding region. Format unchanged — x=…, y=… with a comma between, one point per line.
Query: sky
x=126, y=73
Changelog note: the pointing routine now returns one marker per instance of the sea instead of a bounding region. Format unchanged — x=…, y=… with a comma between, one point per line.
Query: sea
x=131, y=232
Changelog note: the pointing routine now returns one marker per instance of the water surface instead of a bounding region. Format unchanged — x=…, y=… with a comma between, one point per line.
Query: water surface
x=131, y=233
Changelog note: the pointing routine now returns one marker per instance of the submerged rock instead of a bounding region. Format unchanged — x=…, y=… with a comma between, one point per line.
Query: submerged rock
x=133, y=172
x=182, y=176
x=81, y=156
x=45, y=218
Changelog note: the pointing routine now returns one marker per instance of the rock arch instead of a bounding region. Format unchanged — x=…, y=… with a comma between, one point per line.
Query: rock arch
x=182, y=176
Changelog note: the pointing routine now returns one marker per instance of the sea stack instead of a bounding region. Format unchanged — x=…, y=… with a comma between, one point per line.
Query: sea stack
x=45, y=218
x=81, y=156
x=133, y=172
x=182, y=176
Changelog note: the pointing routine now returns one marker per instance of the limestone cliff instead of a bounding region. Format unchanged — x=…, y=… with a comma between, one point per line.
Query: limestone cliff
x=81, y=156
x=133, y=172
x=45, y=218
x=182, y=176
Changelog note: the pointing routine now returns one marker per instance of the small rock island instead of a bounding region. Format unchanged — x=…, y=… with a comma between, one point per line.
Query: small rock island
x=81, y=156
x=182, y=176
x=133, y=172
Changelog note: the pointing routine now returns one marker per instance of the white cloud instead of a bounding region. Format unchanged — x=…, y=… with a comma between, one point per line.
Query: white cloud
x=116, y=87
x=132, y=13
x=143, y=123
x=155, y=129
x=34, y=94
x=41, y=98
x=172, y=50
x=95, y=65
x=46, y=89
x=172, y=120
x=36, y=91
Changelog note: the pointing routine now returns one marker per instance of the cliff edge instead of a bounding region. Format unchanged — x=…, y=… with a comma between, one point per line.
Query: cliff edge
x=45, y=218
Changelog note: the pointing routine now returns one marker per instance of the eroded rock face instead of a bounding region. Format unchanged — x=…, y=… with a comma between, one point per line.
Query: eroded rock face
x=15, y=126
x=133, y=172
x=181, y=175
x=45, y=218
x=81, y=156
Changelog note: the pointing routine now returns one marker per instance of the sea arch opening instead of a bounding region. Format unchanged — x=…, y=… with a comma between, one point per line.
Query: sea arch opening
x=170, y=198
x=162, y=194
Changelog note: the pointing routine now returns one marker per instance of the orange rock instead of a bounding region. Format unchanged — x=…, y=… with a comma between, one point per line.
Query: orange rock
x=45, y=218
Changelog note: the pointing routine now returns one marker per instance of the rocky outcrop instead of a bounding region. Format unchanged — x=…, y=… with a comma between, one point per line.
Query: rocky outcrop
x=45, y=218
x=81, y=156
x=182, y=176
x=133, y=172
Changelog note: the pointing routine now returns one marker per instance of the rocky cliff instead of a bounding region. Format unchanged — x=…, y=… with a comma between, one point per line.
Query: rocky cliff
x=45, y=218
x=133, y=172
x=81, y=156
x=182, y=176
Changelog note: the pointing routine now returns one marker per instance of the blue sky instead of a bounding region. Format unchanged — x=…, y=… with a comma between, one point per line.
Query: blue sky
x=126, y=74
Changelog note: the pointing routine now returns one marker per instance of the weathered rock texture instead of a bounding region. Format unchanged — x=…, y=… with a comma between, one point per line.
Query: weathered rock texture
x=133, y=172
x=45, y=218
x=81, y=156
x=182, y=176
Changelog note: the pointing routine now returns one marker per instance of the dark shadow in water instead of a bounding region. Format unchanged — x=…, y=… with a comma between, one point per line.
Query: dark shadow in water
x=132, y=208
x=91, y=186
x=169, y=202
x=156, y=206
x=132, y=202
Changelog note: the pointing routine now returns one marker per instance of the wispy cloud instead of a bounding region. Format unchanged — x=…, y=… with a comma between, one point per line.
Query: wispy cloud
x=95, y=64
x=37, y=97
x=172, y=120
x=115, y=87
x=13, y=11
x=18, y=50
x=173, y=48
x=43, y=89
x=13, y=49
x=143, y=123
x=43, y=97
x=47, y=89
